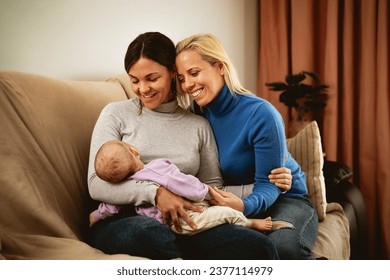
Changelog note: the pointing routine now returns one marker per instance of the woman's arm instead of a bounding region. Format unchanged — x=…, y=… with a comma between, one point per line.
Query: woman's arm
x=209, y=172
x=279, y=177
x=108, y=127
x=264, y=133
x=270, y=151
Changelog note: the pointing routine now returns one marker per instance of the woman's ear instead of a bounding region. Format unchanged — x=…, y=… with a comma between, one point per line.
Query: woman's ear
x=221, y=67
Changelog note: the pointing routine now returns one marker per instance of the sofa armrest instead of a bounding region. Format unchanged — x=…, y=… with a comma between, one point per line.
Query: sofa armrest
x=340, y=189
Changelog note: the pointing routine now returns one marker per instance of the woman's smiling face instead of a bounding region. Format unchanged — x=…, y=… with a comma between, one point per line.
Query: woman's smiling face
x=151, y=82
x=198, y=78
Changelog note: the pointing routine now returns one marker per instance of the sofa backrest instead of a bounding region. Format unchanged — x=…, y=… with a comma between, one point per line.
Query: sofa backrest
x=45, y=131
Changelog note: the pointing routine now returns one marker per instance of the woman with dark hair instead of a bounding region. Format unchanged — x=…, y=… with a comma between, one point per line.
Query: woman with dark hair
x=156, y=124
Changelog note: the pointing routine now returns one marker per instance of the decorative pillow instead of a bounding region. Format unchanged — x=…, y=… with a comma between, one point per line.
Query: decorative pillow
x=306, y=149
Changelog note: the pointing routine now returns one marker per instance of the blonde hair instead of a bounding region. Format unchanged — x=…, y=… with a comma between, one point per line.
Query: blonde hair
x=114, y=162
x=212, y=51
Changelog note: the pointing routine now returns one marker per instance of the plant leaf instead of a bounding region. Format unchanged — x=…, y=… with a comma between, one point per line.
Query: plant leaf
x=295, y=78
x=303, y=97
x=287, y=99
x=313, y=75
x=277, y=86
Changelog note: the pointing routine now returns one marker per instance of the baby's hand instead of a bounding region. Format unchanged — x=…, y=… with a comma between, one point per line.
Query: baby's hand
x=91, y=219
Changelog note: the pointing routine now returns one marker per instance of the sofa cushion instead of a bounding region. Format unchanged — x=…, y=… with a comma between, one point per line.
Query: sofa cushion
x=45, y=132
x=333, y=239
x=124, y=81
x=306, y=148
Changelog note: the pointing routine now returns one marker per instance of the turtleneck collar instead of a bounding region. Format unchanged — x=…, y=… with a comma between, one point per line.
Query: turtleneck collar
x=167, y=108
x=223, y=103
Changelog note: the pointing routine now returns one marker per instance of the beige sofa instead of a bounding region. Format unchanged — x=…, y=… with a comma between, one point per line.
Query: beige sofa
x=45, y=132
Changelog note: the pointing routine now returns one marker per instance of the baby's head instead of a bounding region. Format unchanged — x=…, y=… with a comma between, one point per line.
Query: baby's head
x=116, y=160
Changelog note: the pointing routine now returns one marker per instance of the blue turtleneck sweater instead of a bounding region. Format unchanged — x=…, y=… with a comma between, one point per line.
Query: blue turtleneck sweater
x=249, y=132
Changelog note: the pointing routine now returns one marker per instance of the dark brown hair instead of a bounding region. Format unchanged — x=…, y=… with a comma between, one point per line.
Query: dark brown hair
x=152, y=45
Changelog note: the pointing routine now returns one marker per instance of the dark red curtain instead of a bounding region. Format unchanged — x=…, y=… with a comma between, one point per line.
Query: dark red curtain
x=347, y=44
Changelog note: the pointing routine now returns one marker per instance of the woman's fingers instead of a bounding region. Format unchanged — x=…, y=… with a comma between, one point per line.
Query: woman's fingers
x=284, y=188
x=173, y=208
x=172, y=216
x=281, y=170
x=183, y=215
x=214, y=191
x=217, y=196
x=222, y=198
x=283, y=184
x=282, y=178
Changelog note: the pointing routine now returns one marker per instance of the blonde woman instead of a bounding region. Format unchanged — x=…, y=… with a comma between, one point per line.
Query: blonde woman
x=251, y=142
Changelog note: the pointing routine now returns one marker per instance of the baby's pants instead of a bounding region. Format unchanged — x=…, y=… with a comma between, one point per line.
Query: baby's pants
x=210, y=217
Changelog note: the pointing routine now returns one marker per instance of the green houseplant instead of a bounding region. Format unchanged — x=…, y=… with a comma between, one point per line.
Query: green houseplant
x=303, y=97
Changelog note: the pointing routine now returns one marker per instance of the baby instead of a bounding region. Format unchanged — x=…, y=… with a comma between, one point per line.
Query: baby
x=117, y=160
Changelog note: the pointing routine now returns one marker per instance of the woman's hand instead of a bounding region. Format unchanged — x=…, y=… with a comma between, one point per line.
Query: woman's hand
x=222, y=198
x=282, y=178
x=173, y=208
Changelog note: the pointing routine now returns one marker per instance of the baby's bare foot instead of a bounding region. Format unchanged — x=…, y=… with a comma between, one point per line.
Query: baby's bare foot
x=261, y=224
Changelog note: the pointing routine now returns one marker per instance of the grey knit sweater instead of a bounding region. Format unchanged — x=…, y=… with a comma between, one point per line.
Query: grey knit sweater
x=166, y=132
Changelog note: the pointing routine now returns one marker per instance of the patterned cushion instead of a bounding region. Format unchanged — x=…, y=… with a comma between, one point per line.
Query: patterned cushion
x=306, y=148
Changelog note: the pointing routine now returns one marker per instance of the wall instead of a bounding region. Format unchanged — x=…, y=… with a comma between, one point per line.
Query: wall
x=72, y=39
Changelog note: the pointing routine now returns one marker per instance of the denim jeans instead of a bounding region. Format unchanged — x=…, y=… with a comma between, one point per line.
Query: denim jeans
x=227, y=242
x=145, y=237
x=134, y=235
x=296, y=240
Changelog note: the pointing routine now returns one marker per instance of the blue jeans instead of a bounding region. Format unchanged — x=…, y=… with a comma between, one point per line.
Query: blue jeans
x=145, y=237
x=227, y=242
x=294, y=242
